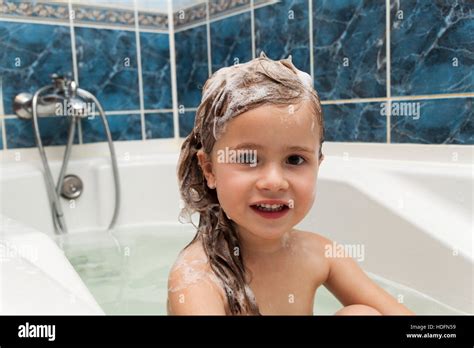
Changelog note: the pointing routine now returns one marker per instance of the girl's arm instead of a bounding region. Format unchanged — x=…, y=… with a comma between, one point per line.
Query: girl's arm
x=348, y=282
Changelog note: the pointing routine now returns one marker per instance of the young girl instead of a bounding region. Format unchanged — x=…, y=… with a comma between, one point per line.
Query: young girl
x=249, y=168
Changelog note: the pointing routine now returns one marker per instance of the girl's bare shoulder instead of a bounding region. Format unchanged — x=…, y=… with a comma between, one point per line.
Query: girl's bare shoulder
x=192, y=286
x=191, y=266
x=311, y=241
x=311, y=247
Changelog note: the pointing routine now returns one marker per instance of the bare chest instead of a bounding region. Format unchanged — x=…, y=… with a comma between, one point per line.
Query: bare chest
x=286, y=288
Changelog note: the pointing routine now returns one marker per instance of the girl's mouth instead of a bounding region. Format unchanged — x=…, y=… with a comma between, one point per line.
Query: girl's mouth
x=270, y=211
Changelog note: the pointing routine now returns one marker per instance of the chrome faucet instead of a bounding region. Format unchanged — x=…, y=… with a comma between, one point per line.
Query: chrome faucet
x=64, y=98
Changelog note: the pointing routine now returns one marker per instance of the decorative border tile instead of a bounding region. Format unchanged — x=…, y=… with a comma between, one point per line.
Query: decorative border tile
x=27, y=9
x=153, y=20
x=219, y=8
x=191, y=15
x=83, y=14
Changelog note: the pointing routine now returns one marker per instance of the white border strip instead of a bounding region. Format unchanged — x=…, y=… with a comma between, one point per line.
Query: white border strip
x=401, y=97
x=174, y=90
x=156, y=31
x=34, y=20
x=139, y=67
x=157, y=111
x=104, y=26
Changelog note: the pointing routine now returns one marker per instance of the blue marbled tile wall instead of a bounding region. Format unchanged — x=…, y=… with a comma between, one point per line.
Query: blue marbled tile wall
x=282, y=29
x=107, y=66
x=342, y=43
x=349, y=49
x=29, y=54
x=37, y=40
x=431, y=60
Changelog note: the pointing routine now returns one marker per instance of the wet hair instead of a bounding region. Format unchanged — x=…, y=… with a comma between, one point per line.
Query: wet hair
x=228, y=93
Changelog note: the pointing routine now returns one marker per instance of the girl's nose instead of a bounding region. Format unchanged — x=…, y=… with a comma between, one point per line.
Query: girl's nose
x=272, y=178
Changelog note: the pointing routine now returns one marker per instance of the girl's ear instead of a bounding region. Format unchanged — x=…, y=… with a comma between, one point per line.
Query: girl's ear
x=206, y=166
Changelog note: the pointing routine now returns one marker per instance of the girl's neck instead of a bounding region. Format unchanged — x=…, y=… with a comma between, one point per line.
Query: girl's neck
x=254, y=246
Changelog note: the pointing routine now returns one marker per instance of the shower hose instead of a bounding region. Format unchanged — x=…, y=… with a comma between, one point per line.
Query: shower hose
x=54, y=192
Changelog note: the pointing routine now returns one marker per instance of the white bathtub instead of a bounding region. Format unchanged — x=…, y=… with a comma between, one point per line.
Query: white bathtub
x=410, y=206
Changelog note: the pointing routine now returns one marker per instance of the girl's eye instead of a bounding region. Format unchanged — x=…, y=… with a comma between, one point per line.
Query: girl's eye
x=295, y=160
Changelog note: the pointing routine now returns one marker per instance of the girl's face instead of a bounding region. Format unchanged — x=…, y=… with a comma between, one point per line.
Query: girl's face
x=285, y=141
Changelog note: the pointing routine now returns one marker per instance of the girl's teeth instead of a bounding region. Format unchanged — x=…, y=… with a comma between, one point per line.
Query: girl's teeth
x=270, y=207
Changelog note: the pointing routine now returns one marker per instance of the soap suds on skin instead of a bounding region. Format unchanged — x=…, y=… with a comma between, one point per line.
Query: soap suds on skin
x=195, y=271
x=192, y=272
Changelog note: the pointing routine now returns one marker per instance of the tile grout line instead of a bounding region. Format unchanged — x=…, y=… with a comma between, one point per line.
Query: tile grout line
x=401, y=97
x=4, y=134
x=174, y=90
x=252, y=26
x=139, y=68
x=75, y=71
x=208, y=34
x=388, y=70
x=311, y=43
x=2, y=110
x=155, y=31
